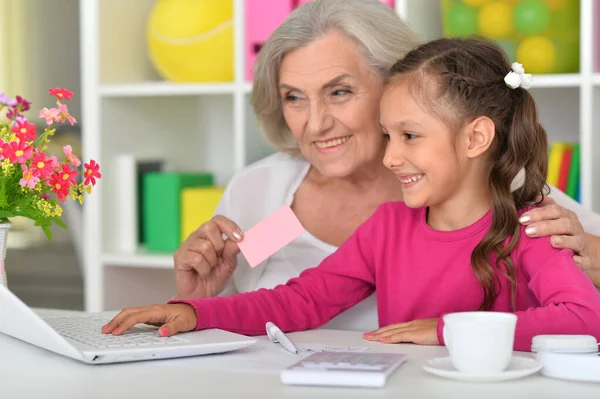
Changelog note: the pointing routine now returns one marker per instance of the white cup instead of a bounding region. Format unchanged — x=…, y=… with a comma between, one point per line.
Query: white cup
x=480, y=342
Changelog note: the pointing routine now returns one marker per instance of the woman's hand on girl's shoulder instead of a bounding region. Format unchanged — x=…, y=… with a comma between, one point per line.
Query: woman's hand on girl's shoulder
x=562, y=226
x=171, y=319
x=421, y=332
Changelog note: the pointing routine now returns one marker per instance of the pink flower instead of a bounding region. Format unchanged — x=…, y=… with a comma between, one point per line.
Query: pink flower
x=28, y=179
x=3, y=145
x=17, y=152
x=22, y=104
x=70, y=156
x=4, y=100
x=67, y=175
x=51, y=115
x=40, y=166
x=25, y=131
x=61, y=94
x=12, y=113
x=92, y=171
x=59, y=186
x=64, y=114
x=54, y=162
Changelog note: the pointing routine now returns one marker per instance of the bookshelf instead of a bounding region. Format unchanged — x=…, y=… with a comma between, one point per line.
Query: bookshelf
x=126, y=107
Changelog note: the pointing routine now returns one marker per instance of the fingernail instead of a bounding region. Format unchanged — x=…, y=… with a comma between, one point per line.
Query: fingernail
x=368, y=335
x=525, y=219
x=164, y=331
x=577, y=259
x=237, y=236
x=530, y=230
x=557, y=240
x=383, y=340
x=104, y=327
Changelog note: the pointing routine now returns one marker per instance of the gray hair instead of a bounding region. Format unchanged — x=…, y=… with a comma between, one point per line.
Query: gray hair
x=379, y=32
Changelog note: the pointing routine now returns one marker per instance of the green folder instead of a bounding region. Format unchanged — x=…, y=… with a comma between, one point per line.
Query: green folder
x=162, y=207
x=573, y=181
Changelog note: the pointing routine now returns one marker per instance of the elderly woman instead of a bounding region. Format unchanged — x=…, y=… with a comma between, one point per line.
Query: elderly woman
x=317, y=86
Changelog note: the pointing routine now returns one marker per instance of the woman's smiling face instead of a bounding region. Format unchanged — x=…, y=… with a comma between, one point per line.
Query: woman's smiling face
x=330, y=102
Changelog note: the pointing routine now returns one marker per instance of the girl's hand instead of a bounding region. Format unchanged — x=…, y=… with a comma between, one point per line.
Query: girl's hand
x=421, y=332
x=171, y=319
x=551, y=219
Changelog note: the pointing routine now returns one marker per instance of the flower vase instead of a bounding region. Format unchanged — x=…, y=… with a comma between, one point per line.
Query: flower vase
x=3, y=241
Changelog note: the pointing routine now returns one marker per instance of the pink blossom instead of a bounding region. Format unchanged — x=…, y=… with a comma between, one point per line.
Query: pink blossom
x=40, y=166
x=51, y=115
x=54, y=162
x=28, y=179
x=64, y=114
x=72, y=158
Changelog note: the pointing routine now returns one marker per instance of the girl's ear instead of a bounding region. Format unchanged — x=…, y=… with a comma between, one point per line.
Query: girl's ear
x=479, y=136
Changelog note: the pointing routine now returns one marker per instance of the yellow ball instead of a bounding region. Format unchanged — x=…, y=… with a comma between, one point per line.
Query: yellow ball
x=555, y=5
x=475, y=3
x=192, y=40
x=496, y=20
x=537, y=54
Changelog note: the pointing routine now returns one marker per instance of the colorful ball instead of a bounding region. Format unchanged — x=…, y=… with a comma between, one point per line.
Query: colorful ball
x=192, y=40
x=510, y=48
x=532, y=17
x=567, y=17
x=567, y=56
x=475, y=3
x=496, y=20
x=555, y=5
x=461, y=20
x=537, y=54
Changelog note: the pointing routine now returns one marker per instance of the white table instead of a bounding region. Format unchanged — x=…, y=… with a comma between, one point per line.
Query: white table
x=29, y=372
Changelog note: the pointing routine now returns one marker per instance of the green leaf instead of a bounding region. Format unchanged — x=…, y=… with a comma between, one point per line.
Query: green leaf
x=3, y=202
x=60, y=223
x=48, y=232
x=6, y=214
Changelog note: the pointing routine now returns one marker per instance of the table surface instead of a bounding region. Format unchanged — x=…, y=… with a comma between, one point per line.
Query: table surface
x=30, y=372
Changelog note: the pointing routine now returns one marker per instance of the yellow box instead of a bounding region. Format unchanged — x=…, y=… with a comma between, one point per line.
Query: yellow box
x=198, y=205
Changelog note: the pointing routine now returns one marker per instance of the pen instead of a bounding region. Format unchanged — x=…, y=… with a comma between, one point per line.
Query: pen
x=276, y=335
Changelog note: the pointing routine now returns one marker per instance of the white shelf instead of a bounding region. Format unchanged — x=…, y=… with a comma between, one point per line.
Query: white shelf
x=596, y=79
x=156, y=89
x=140, y=259
x=159, y=88
x=558, y=80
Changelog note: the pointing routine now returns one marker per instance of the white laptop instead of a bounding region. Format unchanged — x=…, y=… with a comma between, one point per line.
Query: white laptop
x=79, y=336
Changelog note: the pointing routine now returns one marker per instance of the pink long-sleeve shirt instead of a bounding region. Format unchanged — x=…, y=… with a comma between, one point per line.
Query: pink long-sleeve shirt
x=418, y=273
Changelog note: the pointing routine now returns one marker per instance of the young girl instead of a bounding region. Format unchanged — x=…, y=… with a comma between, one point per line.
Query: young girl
x=460, y=131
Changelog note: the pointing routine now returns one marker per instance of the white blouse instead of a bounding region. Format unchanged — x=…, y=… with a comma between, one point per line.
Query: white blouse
x=265, y=186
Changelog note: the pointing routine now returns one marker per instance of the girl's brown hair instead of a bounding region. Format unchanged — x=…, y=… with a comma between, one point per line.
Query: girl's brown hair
x=459, y=80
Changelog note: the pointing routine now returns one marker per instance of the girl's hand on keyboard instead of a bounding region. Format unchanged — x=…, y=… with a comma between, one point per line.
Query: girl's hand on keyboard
x=421, y=332
x=171, y=319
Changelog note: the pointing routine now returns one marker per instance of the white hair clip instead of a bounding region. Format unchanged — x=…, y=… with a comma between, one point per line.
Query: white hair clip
x=517, y=77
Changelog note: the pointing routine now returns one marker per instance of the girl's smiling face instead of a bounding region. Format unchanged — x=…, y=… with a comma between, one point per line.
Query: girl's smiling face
x=421, y=150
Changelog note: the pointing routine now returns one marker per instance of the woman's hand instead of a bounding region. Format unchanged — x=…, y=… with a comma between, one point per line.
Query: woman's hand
x=171, y=319
x=421, y=332
x=551, y=219
x=205, y=261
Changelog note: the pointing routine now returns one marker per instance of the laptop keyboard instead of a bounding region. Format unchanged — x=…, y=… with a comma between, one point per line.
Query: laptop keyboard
x=87, y=330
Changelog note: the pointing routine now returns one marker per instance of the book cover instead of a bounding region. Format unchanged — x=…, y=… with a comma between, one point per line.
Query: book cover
x=565, y=166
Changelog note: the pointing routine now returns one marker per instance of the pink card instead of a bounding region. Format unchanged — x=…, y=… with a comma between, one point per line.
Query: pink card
x=269, y=236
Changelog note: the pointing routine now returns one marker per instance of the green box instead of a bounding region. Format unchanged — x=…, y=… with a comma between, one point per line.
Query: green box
x=161, y=204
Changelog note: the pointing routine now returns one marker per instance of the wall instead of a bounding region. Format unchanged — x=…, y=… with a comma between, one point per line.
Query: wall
x=40, y=40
